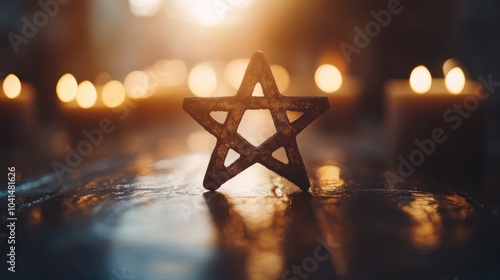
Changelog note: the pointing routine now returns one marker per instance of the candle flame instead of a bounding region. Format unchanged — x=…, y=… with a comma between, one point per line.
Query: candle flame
x=455, y=80
x=171, y=72
x=328, y=78
x=12, y=86
x=145, y=8
x=113, y=94
x=420, y=79
x=140, y=84
x=86, y=95
x=67, y=87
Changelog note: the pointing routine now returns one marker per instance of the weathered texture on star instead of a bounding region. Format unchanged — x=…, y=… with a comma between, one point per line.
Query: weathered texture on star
x=258, y=71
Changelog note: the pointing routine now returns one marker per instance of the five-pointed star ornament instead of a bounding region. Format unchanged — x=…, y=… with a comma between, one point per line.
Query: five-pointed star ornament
x=258, y=71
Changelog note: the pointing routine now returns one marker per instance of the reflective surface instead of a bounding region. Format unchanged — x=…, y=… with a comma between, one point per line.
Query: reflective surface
x=149, y=217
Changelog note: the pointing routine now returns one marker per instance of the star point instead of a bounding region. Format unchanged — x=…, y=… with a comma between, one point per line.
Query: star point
x=258, y=71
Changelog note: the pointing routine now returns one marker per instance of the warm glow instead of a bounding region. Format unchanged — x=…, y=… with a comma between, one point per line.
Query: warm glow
x=455, y=80
x=139, y=84
x=86, y=95
x=420, y=79
x=209, y=13
x=12, y=86
x=203, y=79
x=281, y=76
x=256, y=126
x=171, y=72
x=264, y=220
x=427, y=221
x=145, y=8
x=205, y=13
x=113, y=94
x=328, y=78
x=329, y=178
x=200, y=141
x=66, y=88
x=449, y=64
x=235, y=71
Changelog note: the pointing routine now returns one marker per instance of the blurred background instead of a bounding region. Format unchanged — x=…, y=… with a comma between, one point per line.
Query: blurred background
x=66, y=53
x=165, y=50
x=91, y=97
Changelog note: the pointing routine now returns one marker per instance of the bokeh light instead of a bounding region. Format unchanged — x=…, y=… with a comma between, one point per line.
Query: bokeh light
x=171, y=72
x=113, y=94
x=328, y=78
x=139, y=84
x=202, y=79
x=281, y=76
x=420, y=79
x=455, y=80
x=86, y=95
x=145, y=8
x=235, y=70
x=206, y=13
x=12, y=86
x=66, y=88
x=209, y=13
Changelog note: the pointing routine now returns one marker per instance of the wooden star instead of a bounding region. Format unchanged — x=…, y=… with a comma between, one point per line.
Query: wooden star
x=258, y=71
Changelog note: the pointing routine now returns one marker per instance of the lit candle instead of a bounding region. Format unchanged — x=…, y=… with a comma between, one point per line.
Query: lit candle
x=17, y=111
x=87, y=107
x=14, y=91
x=434, y=126
x=342, y=92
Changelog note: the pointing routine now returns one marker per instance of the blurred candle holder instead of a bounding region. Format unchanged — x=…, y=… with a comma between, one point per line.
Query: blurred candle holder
x=87, y=107
x=434, y=127
x=17, y=114
x=342, y=92
x=146, y=98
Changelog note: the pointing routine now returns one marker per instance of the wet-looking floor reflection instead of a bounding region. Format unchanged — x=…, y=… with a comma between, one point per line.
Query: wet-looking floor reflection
x=152, y=219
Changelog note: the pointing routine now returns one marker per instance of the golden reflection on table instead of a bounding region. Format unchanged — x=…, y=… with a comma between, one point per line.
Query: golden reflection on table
x=328, y=178
x=427, y=222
